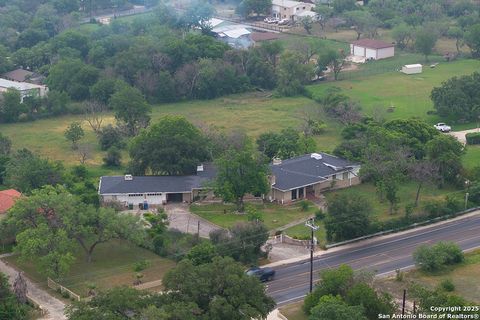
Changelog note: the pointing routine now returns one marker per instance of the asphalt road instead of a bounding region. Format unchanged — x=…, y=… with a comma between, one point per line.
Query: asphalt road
x=381, y=255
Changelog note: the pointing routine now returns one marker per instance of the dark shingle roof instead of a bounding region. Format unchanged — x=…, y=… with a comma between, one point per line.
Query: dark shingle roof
x=145, y=184
x=372, y=44
x=306, y=170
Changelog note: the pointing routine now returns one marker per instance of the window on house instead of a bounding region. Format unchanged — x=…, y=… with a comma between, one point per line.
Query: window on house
x=294, y=194
x=334, y=177
x=345, y=175
x=303, y=8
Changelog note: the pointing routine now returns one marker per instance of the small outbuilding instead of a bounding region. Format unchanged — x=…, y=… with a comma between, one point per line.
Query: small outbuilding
x=372, y=49
x=412, y=68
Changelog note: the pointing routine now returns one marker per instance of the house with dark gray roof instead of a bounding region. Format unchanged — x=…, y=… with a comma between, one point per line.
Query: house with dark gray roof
x=143, y=191
x=308, y=175
x=291, y=179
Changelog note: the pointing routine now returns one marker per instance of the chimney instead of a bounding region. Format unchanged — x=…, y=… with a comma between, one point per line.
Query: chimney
x=128, y=177
x=276, y=161
x=200, y=168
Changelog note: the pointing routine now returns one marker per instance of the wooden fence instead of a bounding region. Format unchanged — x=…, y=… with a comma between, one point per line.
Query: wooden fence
x=56, y=286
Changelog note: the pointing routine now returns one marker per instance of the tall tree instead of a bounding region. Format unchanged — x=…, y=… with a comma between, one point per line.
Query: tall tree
x=130, y=109
x=335, y=60
x=74, y=133
x=172, y=146
x=292, y=74
x=348, y=217
x=239, y=173
x=10, y=307
x=445, y=152
x=247, y=7
x=425, y=41
x=472, y=39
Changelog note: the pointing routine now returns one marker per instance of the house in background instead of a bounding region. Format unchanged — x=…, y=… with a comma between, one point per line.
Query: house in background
x=26, y=89
x=307, y=176
x=22, y=75
x=372, y=49
x=288, y=9
x=7, y=199
x=303, y=177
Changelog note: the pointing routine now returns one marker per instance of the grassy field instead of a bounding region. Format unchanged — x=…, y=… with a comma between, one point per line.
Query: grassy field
x=275, y=216
x=111, y=266
x=464, y=276
x=409, y=94
x=253, y=113
x=472, y=158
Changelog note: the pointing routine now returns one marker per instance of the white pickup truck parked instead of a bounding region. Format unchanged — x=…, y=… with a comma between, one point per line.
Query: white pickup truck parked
x=442, y=127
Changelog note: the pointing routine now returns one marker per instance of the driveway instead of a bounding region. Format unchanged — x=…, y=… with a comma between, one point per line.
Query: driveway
x=180, y=218
x=52, y=305
x=460, y=135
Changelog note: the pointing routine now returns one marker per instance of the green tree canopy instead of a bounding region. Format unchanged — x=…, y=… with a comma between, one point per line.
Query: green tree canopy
x=348, y=217
x=172, y=146
x=425, y=41
x=458, y=98
x=27, y=171
x=334, y=308
x=74, y=133
x=239, y=173
x=243, y=241
x=472, y=39
x=130, y=109
x=221, y=289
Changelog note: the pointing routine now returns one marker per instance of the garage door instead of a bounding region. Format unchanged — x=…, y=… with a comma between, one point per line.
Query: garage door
x=359, y=51
x=174, y=197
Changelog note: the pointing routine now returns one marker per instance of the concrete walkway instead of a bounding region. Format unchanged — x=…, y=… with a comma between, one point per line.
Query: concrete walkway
x=48, y=303
x=461, y=135
x=180, y=218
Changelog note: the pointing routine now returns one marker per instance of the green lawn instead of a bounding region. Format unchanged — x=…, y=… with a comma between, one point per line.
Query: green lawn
x=409, y=94
x=406, y=193
x=274, y=215
x=472, y=158
x=380, y=210
x=111, y=266
x=302, y=232
x=251, y=112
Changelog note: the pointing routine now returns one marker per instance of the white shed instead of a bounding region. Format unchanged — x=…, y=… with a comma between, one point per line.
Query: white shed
x=412, y=68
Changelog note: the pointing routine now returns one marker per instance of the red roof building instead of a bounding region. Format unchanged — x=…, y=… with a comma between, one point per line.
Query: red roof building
x=372, y=49
x=7, y=199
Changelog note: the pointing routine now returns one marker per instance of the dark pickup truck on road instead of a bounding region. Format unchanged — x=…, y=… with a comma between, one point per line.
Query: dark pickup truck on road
x=263, y=274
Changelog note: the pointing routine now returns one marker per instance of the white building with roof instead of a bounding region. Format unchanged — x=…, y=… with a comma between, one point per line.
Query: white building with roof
x=288, y=9
x=26, y=89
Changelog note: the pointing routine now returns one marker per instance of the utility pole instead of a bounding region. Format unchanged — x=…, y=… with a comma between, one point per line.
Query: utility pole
x=311, y=224
x=404, y=298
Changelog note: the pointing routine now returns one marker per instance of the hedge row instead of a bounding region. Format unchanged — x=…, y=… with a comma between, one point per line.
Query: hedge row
x=473, y=138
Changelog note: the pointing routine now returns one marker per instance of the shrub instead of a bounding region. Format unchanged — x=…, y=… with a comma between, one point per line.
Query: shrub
x=447, y=285
x=304, y=205
x=113, y=158
x=473, y=138
x=435, y=257
x=319, y=215
x=141, y=265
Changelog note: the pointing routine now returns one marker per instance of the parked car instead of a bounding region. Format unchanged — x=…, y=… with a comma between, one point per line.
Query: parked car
x=442, y=127
x=263, y=274
x=270, y=20
x=284, y=22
